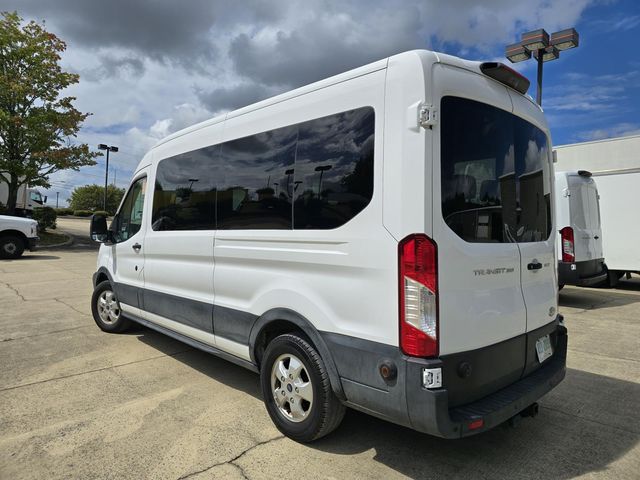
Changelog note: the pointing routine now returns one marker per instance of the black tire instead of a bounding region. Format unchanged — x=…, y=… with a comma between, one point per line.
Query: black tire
x=325, y=412
x=11, y=246
x=113, y=322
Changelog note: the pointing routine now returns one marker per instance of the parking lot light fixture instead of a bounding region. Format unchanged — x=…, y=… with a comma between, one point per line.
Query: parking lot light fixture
x=535, y=40
x=544, y=48
x=108, y=148
x=517, y=53
x=548, y=54
x=565, y=39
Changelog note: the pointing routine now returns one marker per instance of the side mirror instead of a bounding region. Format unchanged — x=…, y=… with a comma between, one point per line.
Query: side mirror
x=98, y=230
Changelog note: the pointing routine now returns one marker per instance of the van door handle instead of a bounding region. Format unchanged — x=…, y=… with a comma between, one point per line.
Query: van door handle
x=534, y=266
x=596, y=237
x=136, y=247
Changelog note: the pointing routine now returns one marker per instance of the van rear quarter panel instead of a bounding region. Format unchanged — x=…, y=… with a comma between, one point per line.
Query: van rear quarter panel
x=341, y=280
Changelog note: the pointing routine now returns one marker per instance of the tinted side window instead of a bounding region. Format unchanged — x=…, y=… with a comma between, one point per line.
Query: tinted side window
x=256, y=181
x=185, y=191
x=334, y=169
x=129, y=218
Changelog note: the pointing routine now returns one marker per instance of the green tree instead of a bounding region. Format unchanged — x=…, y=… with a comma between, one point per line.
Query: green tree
x=91, y=197
x=36, y=121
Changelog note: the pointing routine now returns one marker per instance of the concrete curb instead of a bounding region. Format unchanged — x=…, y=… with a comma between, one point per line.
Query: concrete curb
x=66, y=243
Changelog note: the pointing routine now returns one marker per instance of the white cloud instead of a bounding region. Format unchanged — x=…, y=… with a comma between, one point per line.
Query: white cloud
x=149, y=68
x=619, y=130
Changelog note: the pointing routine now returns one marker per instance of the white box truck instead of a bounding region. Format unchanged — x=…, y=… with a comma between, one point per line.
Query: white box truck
x=615, y=166
x=26, y=201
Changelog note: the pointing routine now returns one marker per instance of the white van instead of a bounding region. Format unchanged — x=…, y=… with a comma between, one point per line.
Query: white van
x=615, y=166
x=382, y=240
x=580, y=255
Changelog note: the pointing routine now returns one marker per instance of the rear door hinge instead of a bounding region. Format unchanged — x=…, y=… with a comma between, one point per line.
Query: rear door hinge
x=427, y=116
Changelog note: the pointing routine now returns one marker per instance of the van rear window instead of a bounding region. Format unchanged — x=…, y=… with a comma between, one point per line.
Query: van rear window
x=495, y=178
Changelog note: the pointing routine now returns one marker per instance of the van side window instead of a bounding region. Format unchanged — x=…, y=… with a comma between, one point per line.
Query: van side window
x=256, y=181
x=129, y=218
x=495, y=176
x=185, y=191
x=334, y=169
x=313, y=175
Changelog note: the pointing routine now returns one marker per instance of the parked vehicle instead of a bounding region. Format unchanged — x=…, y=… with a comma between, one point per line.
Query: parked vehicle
x=27, y=200
x=615, y=166
x=413, y=279
x=17, y=235
x=580, y=254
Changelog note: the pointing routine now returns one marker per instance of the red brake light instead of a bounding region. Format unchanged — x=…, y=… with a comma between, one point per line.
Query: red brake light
x=568, y=252
x=418, y=289
x=475, y=424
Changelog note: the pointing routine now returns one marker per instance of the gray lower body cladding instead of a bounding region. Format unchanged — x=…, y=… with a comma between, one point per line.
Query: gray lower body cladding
x=494, y=391
x=583, y=274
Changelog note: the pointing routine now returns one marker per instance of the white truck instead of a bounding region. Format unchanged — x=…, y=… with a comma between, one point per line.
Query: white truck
x=27, y=200
x=17, y=235
x=615, y=166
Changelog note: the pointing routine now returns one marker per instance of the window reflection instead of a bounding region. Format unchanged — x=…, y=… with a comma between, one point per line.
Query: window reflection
x=326, y=165
x=334, y=169
x=255, y=184
x=495, y=179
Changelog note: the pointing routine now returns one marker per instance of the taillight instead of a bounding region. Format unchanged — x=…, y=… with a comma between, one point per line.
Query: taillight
x=568, y=253
x=418, y=286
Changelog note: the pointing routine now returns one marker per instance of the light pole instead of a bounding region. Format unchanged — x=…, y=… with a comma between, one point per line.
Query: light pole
x=543, y=48
x=57, y=195
x=108, y=148
x=322, y=169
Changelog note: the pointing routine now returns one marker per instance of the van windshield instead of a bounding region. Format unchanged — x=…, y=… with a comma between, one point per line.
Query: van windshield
x=494, y=174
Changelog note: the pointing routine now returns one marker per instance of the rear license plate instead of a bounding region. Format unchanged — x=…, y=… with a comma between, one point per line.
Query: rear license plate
x=544, y=348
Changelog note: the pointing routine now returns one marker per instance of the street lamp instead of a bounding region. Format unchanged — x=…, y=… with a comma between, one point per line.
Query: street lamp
x=108, y=148
x=322, y=169
x=543, y=48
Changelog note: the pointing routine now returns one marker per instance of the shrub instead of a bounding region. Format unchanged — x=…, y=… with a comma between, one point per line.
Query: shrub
x=46, y=218
x=82, y=213
x=101, y=212
x=64, y=211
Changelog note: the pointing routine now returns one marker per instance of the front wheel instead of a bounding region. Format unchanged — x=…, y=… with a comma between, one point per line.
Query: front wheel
x=106, y=309
x=11, y=246
x=297, y=391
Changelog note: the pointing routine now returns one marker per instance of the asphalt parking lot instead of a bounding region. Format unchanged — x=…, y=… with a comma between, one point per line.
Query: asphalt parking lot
x=79, y=403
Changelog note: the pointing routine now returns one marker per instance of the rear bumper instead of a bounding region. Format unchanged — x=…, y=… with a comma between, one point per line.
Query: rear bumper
x=492, y=392
x=430, y=413
x=32, y=243
x=583, y=274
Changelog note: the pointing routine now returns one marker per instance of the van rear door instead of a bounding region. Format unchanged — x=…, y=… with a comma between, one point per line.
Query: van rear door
x=585, y=218
x=534, y=220
x=474, y=200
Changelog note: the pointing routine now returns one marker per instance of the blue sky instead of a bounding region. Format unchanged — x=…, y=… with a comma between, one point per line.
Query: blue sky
x=150, y=68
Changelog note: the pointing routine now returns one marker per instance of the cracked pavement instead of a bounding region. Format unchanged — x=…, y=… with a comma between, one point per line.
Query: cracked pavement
x=79, y=403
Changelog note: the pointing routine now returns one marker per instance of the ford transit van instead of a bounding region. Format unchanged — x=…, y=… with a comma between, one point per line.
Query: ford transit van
x=381, y=240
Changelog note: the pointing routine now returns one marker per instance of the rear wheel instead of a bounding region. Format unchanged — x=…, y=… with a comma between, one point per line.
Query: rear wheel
x=297, y=391
x=106, y=309
x=11, y=246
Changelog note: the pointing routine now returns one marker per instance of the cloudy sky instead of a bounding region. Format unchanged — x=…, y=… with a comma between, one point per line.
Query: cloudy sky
x=151, y=67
